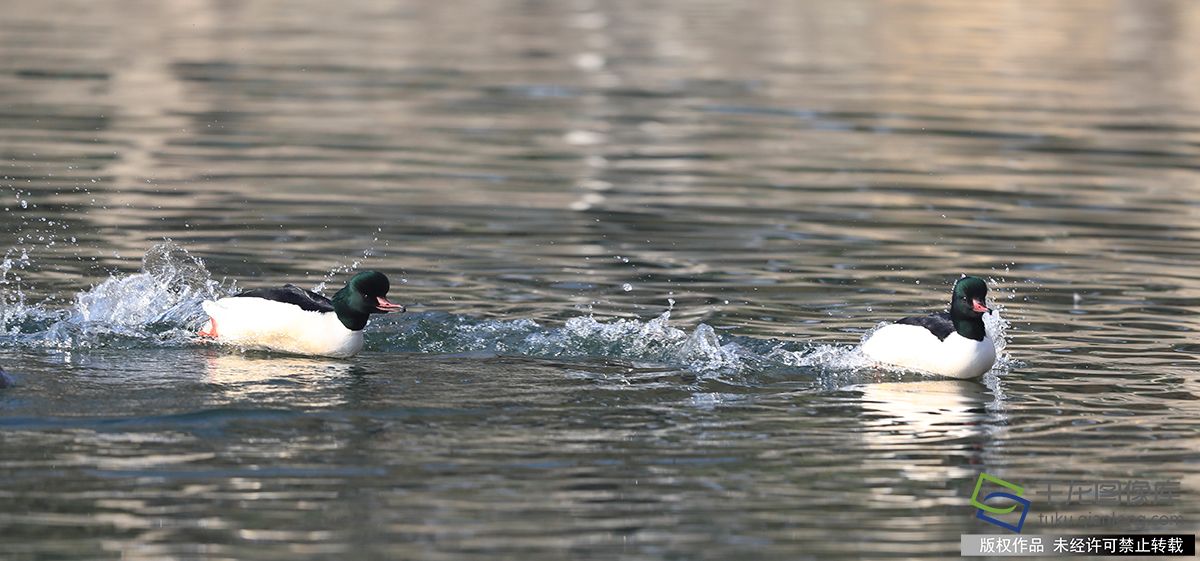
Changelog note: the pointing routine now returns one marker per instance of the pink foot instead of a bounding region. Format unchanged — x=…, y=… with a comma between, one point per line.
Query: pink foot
x=210, y=330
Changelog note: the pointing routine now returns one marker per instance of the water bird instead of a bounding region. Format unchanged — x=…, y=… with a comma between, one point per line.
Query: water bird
x=953, y=343
x=293, y=320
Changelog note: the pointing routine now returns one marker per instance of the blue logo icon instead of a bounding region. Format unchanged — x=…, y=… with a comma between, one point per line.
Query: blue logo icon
x=1017, y=496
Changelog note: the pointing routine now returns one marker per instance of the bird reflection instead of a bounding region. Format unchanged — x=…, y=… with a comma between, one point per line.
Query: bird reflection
x=271, y=377
x=926, y=416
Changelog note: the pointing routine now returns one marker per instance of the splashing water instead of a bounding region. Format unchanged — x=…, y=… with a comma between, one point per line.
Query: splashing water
x=367, y=253
x=156, y=305
x=12, y=298
x=320, y=287
x=655, y=341
x=582, y=337
x=160, y=306
x=997, y=326
x=701, y=351
x=825, y=358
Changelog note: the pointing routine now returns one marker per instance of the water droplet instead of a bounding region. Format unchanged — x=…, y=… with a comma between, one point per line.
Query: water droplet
x=627, y=287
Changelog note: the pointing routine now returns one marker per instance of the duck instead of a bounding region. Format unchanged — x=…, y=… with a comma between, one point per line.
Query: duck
x=292, y=320
x=954, y=343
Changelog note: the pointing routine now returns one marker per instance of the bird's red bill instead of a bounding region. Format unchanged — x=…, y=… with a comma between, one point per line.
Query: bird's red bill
x=385, y=305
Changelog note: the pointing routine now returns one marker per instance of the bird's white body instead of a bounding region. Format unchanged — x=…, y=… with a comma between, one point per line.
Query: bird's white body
x=916, y=348
x=259, y=323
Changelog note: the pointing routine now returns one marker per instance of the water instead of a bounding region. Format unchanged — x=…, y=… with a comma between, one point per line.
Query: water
x=639, y=243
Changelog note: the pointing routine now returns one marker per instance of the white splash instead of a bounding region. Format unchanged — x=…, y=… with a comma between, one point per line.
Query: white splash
x=160, y=304
x=655, y=340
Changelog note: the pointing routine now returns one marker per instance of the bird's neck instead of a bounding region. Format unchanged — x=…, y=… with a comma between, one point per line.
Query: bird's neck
x=969, y=327
x=354, y=320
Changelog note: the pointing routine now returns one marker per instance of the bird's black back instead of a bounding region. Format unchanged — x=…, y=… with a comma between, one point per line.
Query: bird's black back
x=291, y=294
x=939, y=324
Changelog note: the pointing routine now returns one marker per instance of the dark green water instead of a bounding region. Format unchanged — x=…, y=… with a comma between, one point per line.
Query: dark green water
x=639, y=242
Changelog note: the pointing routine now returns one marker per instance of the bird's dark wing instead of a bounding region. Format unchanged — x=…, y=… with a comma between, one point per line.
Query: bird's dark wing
x=291, y=294
x=939, y=324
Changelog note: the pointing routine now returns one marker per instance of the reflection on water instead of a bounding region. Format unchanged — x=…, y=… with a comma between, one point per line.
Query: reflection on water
x=543, y=180
x=238, y=377
x=930, y=415
x=935, y=408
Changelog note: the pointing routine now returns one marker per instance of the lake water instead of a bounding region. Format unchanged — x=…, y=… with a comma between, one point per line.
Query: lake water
x=639, y=243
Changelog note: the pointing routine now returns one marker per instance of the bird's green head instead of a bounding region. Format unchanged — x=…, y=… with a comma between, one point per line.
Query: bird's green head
x=364, y=295
x=970, y=298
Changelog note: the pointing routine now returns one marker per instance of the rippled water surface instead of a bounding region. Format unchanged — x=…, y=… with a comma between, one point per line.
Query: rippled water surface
x=639, y=242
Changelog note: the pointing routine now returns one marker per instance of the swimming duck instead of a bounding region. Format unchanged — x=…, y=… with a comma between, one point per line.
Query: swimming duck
x=293, y=320
x=953, y=344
